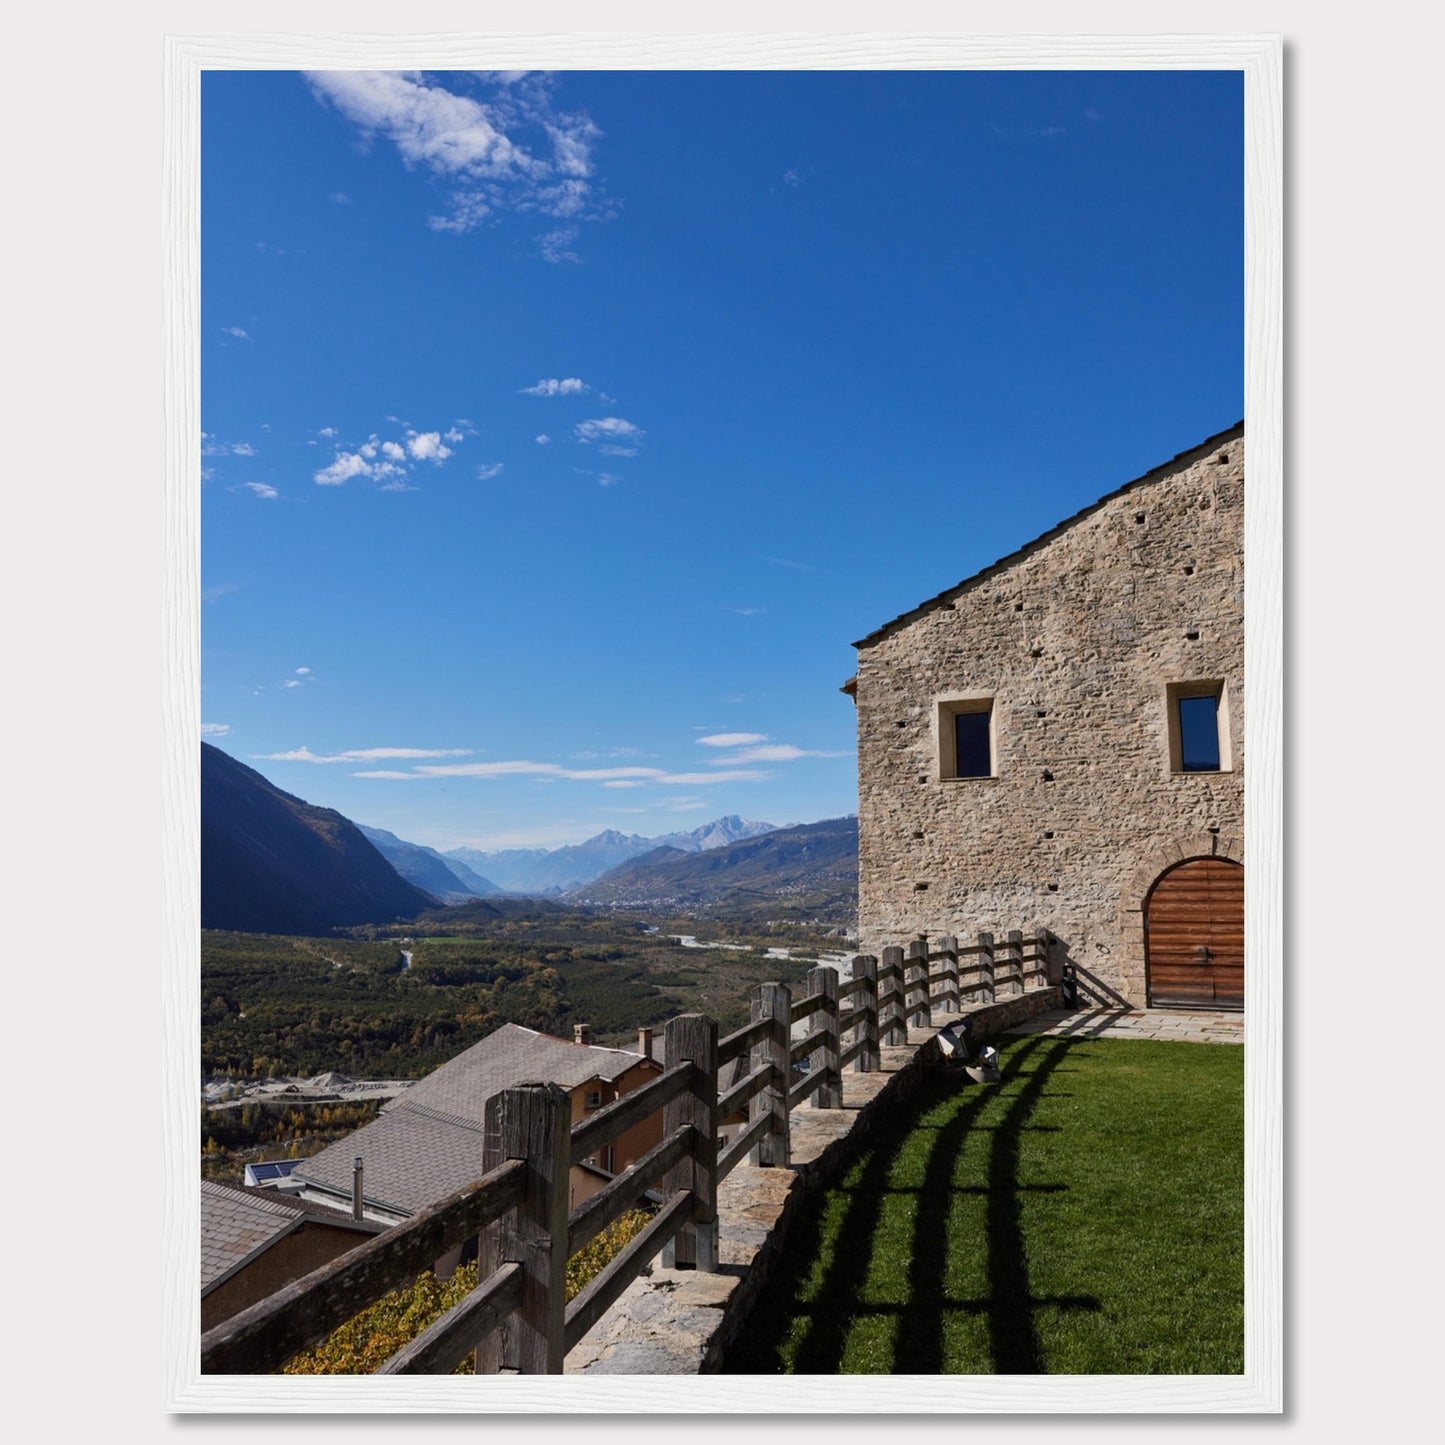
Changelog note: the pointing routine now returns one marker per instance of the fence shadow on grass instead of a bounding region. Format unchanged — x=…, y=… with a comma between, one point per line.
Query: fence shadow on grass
x=820, y=1329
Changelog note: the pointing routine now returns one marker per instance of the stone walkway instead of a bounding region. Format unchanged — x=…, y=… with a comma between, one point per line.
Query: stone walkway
x=1100, y=1023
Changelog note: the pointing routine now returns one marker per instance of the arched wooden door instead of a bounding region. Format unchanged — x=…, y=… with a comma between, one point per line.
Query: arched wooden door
x=1194, y=935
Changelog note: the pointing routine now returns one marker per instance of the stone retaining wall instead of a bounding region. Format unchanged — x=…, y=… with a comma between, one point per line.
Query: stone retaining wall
x=680, y=1322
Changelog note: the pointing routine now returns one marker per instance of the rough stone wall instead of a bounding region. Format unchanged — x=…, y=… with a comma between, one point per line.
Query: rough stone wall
x=1075, y=638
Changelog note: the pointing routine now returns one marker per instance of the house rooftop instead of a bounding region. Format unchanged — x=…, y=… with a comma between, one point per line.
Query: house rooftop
x=1154, y=474
x=239, y=1224
x=428, y=1143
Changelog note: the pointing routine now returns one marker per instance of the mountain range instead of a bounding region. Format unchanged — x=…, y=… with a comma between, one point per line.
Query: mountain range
x=271, y=863
x=812, y=867
x=448, y=879
x=550, y=871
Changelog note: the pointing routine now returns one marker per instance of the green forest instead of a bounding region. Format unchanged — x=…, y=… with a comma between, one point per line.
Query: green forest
x=274, y=1005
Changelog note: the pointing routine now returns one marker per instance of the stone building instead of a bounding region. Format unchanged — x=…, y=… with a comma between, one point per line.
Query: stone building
x=1058, y=742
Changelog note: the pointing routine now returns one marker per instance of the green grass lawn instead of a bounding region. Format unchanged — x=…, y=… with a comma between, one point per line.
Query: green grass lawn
x=1084, y=1216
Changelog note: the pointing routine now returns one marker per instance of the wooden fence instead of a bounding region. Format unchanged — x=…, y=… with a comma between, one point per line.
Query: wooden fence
x=516, y=1320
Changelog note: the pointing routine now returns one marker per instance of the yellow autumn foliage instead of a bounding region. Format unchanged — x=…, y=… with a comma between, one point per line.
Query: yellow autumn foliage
x=364, y=1343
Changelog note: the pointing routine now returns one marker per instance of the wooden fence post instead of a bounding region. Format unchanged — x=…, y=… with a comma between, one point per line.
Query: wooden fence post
x=1015, y=948
x=949, y=1001
x=823, y=983
x=773, y=1001
x=890, y=996
x=985, y=986
x=532, y=1122
x=693, y=1038
x=1052, y=974
x=917, y=1010
x=865, y=1013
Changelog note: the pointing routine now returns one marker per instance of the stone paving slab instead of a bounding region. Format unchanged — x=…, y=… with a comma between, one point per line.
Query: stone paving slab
x=1167, y=1024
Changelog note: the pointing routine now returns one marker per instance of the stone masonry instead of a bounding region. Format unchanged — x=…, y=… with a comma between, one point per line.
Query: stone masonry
x=1075, y=639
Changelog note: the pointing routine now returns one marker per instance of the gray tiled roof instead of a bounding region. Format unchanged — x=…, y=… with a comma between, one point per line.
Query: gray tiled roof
x=428, y=1143
x=237, y=1225
x=512, y=1055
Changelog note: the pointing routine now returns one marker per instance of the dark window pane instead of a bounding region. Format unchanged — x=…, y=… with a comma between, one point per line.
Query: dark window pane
x=971, y=744
x=1199, y=734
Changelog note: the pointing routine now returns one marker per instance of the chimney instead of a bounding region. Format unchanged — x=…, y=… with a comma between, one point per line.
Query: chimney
x=644, y=1043
x=356, y=1188
x=582, y=1034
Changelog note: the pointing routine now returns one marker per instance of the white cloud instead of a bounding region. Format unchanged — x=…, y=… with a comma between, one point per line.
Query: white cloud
x=453, y=435
x=554, y=772
x=623, y=783
x=554, y=386
x=340, y=198
x=302, y=671
x=237, y=332
x=556, y=246
x=215, y=730
x=509, y=150
x=261, y=489
x=360, y=755
x=291, y=682
x=771, y=753
x=792, y=178
x=427, y=446
x=618, y=436
x=387, y=463
x=485, y=474
x=542, y=439
x=346, y=466
x=213, y=447
x=732, y=740
x=747, y=611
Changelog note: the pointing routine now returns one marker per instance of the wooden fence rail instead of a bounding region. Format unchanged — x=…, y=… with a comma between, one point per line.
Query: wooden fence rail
x=516, y=1319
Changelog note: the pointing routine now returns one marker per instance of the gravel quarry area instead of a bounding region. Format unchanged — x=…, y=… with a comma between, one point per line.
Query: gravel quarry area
x=328, y=1088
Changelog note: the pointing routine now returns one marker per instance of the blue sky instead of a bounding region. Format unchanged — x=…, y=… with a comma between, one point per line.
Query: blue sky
x=562, y=432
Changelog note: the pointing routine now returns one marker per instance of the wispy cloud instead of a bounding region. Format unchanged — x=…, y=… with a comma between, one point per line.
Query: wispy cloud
x=340, y=198
x=520, y=768
x=237, y=332
x=221, y=589
x=556, y=246
x=213, y=446
x=361, y=755
x=486, y=473
x=260, y=489
x=755, y=748
x=554, y=386
x=497, y=142
x=603, y=479
x=614, y=435
x=772, y=753
x=747, y=611
x=788, y=562
x=542, y=439
x=215, y=730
